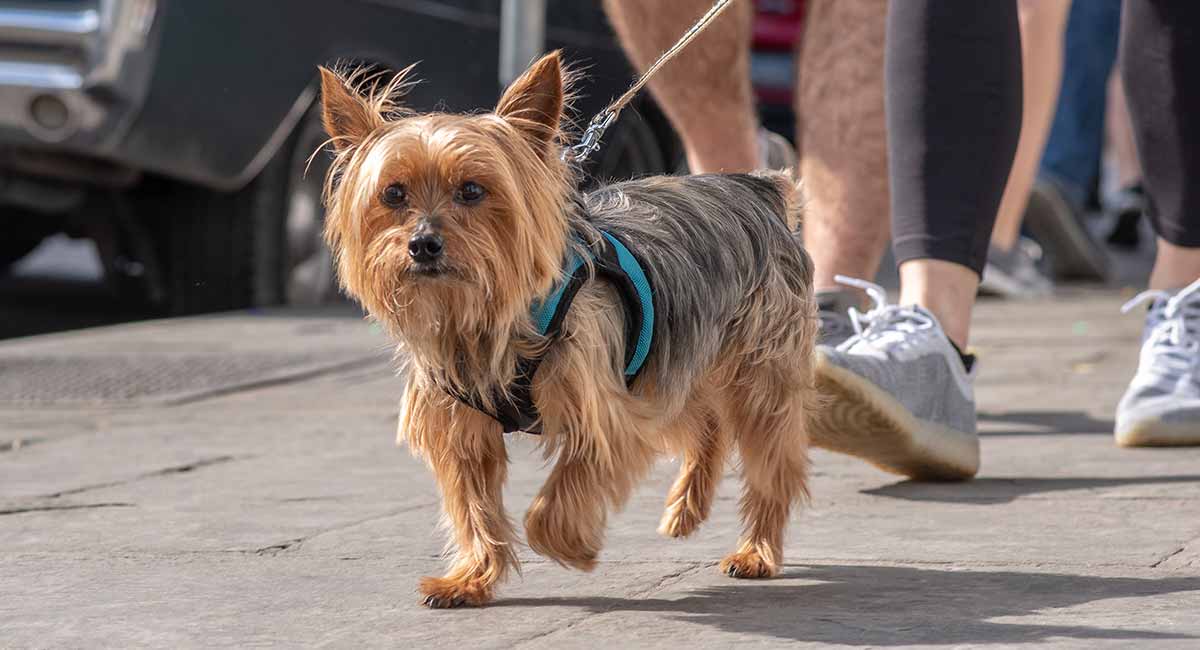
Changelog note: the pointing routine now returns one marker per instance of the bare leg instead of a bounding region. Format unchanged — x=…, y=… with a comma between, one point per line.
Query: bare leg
x=944, y=288
x=1120, y=135
x=1042, y=26
x=1175, y=267
x=842, y=133
x=706, y=93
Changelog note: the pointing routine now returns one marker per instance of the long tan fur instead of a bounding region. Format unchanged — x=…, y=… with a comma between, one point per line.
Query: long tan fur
x=467, y=327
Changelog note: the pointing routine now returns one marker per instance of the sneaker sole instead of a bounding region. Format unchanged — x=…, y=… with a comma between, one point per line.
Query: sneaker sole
x=1156, y=433
x=1073, y=253
x=865, y=422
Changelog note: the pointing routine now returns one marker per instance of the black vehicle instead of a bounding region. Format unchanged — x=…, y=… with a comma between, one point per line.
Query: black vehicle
x=177, y=133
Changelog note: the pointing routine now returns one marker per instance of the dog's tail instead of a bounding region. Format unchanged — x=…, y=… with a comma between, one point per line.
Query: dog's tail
x=792, y=193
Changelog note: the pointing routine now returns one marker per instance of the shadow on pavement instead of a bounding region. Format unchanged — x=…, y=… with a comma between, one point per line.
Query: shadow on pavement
x=1048, y=422
x=891, y=606
x=987, y=491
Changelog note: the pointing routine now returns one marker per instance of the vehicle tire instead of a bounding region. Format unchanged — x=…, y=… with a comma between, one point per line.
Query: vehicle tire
x=263, y=245
x=215, y=251
x=308, y=276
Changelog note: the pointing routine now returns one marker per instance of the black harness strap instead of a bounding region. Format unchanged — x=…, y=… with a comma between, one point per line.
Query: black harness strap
x=514, y=408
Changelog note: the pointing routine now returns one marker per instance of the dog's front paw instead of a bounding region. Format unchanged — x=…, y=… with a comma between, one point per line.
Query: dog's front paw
x=748, y=564
x=570, y=542
x=679, y=521
x=446, y=593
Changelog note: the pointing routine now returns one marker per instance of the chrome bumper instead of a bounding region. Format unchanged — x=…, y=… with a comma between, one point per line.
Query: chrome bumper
x=68, y=67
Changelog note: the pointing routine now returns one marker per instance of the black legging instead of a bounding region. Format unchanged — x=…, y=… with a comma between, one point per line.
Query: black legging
x=1160, y=65
x=954, y=116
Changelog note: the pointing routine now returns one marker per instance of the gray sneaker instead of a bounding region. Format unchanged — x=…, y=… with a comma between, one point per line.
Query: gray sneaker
x=1161, y=407
x=1058, y=227
x=1014, y=273
x=833, y=310
x=899, y=395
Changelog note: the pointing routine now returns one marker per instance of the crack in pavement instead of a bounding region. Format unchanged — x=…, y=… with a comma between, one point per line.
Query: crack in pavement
x=665, y=581
x=77, y=506
x=166, y=471
x=673, y=578
x=296, y=542
x=1168, y=556
x=276, y=549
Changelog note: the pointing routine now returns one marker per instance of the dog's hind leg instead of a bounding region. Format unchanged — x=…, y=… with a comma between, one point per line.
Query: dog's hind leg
x=767, y=405
x=466, y=451
x=705, y=444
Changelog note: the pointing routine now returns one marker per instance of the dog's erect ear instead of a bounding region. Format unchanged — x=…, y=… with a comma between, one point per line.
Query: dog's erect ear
x=347, y=115
x=534, y=102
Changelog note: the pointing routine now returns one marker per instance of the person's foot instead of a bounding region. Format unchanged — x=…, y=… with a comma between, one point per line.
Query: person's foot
x=899, y=394
x=1014, y=273
x=833, y=310
x=1058, y=227
x=1161, y=407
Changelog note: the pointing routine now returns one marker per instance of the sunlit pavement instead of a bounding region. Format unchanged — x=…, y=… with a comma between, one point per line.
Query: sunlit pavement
x=232, y=480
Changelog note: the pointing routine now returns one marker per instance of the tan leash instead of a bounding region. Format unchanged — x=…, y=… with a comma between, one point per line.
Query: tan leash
x=590, y=141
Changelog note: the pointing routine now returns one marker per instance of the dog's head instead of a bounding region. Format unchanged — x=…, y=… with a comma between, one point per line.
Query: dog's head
x=445, y=223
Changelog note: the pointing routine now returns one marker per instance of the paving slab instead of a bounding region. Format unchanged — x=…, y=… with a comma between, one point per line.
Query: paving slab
x=271, y=508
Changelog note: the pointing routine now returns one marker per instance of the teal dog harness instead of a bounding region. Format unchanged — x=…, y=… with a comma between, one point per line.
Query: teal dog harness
x=614, y=262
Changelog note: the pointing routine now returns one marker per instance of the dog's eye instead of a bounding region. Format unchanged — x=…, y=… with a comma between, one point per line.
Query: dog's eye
x=470, y=193
x=394, y=195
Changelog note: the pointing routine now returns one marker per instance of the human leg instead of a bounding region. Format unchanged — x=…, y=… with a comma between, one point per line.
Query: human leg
x=1042, y=24
x=1160, y=43
x=842, y=136
x=901, y=388
x=954, y=115
x=1071, y=159
x=706, y=93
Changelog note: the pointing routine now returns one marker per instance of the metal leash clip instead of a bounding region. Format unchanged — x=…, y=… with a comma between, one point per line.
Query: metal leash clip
x=591, y=137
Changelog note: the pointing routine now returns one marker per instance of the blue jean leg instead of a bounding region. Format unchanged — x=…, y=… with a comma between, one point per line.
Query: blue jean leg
x=1073, y=147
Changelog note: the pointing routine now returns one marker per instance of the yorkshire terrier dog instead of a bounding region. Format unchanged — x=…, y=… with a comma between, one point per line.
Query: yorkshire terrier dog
x=661, y=316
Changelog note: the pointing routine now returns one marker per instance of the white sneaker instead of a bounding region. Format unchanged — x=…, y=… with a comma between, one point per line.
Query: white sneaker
x=1161, y=407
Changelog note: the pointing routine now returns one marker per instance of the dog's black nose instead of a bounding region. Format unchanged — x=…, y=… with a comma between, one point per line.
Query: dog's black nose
x=425, y=247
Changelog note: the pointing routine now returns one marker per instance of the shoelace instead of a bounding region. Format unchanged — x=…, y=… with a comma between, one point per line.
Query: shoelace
x=1173, y=325
x=884, y=325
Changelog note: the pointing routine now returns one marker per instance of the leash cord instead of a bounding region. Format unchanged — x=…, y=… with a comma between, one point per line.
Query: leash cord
x=590, y=141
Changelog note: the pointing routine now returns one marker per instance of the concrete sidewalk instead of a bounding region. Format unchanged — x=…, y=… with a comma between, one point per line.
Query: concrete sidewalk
x=231, y=481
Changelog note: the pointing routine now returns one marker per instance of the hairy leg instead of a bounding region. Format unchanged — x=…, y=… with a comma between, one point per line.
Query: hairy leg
x=466, y=452
x=706, y=92
x=842, y=137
